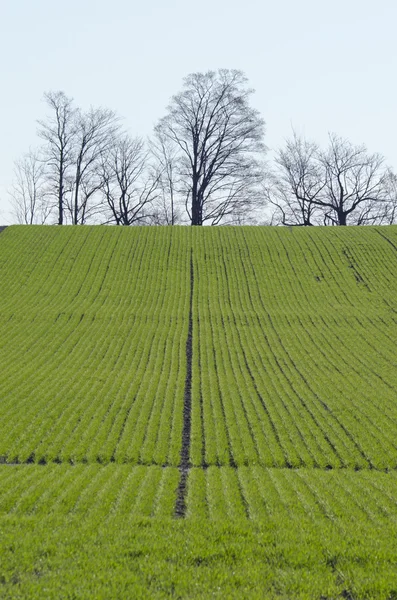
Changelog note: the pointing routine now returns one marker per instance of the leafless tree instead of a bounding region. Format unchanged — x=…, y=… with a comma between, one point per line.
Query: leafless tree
x=388, y=216
x=218, y=139
x=355, y=183
x=164, y=154
x=29, y=195
x=296, y=183
x=128, y=188
x=344, y=183
x=74, y=142
x=58, y=133
x=94, y=132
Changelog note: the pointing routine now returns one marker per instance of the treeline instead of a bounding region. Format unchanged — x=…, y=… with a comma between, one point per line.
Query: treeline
x=204, y=163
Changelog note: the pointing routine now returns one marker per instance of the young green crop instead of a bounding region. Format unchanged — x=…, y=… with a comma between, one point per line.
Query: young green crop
x=289, y=473
x=249, y=532
x=302, y=350
x=99, y=326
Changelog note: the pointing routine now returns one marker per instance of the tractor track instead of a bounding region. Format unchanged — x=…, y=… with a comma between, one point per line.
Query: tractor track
x=184, y=465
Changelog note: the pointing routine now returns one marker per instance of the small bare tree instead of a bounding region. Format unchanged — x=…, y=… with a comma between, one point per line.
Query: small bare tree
x=128, y=188
x=29, y=195
x=343, y=184
x=58, y=133
x=355, y=183
x=218, y=139
x=388, y=216
x=296, y=183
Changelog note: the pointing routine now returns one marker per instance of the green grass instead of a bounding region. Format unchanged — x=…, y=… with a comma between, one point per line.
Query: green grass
x=292, y=490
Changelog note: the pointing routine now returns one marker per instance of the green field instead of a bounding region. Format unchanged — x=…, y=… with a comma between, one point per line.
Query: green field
x=198, y=412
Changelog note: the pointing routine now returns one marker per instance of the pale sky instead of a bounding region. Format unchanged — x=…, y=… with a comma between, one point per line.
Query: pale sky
x=316, y=65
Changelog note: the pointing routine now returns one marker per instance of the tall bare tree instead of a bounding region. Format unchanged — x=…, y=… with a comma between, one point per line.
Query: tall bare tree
x=128, y=187
x=219, y=142
x=94, y=132
x=74, y=142
x=58, y=133
x=29, y=194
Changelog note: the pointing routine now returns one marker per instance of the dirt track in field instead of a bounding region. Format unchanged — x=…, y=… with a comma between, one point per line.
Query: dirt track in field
x=180, y=504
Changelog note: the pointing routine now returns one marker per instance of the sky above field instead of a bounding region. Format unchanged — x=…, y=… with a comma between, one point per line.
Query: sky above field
x=316, y=66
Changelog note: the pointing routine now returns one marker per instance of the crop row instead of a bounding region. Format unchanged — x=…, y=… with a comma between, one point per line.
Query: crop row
x=93, y=350
x=291, y=368
x=112, y=490
x=253, y=493
x=272, y=495
x=293, y=346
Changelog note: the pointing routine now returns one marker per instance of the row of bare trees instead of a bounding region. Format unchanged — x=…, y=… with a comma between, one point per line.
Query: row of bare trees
x=205, y=163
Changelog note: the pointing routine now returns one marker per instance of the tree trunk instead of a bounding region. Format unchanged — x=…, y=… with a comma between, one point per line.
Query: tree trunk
x=76, y=198
x=60, y=200
x=196, y=213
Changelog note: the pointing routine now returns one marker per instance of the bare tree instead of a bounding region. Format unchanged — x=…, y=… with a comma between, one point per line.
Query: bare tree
x=355, y=183
x=218, y=138
x=164, y=153
x=94, y=132
x=29, y=196
x=296, y=183
x=388, y=216
x=74, y=144
x=344, y=184
x=128, y=188
x=58, y=133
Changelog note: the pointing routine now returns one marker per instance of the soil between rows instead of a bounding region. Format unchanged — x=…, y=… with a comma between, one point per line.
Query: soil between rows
x=180, y=504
